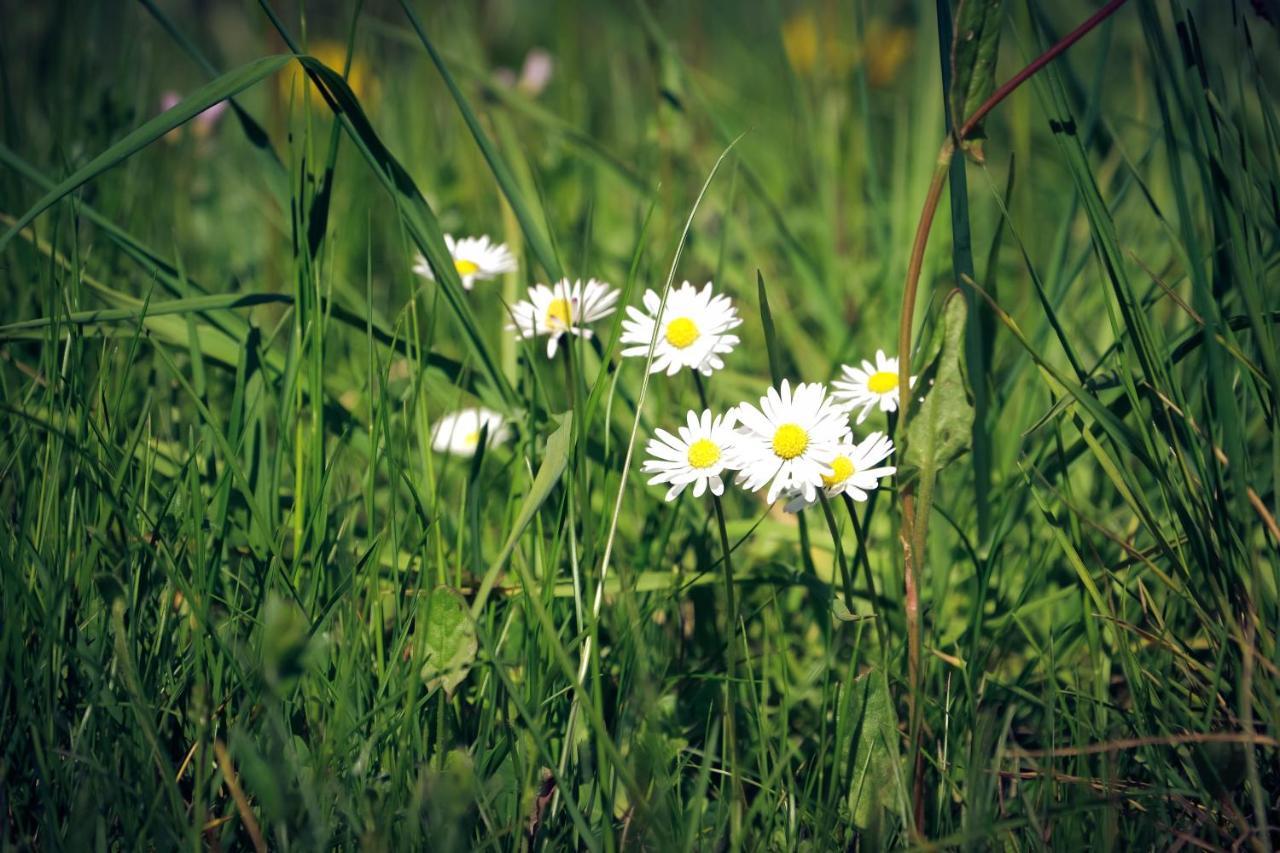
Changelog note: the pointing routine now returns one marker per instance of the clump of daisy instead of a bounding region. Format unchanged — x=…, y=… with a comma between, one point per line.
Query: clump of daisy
x=563, y=309
x=458, y=433
x=790, y=440
x=475, y=259
x=869, y=385
x=855, y=470
x=691, y=330
x=699, y=453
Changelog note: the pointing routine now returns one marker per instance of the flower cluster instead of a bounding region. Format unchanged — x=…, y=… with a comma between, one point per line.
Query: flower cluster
x=794, y=442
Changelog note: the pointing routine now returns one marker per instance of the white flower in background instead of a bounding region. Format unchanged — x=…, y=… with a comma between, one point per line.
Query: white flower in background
x=869, y=385
x=854, y=470
x=564, y=308
x=790, y=440
x=459, y=433
x=697, y=454
x=691, y=330
x=475, y=259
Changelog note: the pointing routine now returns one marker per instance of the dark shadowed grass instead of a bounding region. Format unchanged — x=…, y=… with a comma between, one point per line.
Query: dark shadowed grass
x=242, y=601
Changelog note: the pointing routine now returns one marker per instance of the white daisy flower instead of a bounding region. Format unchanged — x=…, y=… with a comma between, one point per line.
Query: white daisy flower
x=698, y=454
x=475, y=259
x=691, y=330
x=790, y=440
x=565, y=308
x=458, y=433
x=869, y=385
x=854, y=470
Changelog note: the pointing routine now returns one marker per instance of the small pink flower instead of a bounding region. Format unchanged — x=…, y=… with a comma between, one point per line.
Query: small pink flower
x=203, y=124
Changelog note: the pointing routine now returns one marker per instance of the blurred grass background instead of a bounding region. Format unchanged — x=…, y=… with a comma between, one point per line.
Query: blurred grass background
x=227, y=548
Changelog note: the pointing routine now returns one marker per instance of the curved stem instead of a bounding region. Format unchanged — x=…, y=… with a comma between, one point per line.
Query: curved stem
x=914, y=265
x=913, y=540
x=1036, y=64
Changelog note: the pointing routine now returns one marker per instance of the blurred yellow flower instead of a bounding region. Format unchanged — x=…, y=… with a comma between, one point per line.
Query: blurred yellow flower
x=808, y=50
x=334, y=54
x=815, y=46
x=887, y=47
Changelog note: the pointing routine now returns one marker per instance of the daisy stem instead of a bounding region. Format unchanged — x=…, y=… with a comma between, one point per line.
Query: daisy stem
x=842, y=561
x=731, y=678
x=860, y=556
x=731, y=641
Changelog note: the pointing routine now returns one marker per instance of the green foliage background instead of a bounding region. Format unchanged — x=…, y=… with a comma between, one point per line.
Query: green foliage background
x=242, y=601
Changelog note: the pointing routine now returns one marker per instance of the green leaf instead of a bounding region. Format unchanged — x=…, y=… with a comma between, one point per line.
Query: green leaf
x=942, y=427
x=286, y=635
x=841, y=611
x=192, y=305
x=770, y=336
x=877, y=767
x=974, y=51
x=450, y=645
x=553, y=464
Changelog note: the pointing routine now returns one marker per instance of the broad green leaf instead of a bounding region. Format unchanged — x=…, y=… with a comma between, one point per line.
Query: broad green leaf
x=841, y=611
x=974, y=50
x=450, y=645
x=877, y=767
x=451, y=792
x=553, y=464
x=286, y=635
x=216, y=91
x=942, y=427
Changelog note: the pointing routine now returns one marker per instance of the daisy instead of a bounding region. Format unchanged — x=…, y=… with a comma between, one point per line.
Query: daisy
x=691, y=330
x=869, y=385
x=853, y=470
x=475, y=259
x=459, y=433
x=790, y=440
x=565, y=308
x=698, y=454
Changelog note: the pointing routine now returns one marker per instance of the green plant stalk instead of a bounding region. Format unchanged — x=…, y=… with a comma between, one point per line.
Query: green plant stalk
x=731, y=665
x=911, y=538
x=860, y=556
x=731, y=659
x=846, y=580
x=914, y=526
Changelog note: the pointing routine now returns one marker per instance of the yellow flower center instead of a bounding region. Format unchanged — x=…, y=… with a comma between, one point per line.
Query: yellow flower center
x=681, y=332
x=472, y=438
x=559, y=313
x=790, y=441
x=465, y=267
x=841, y=470
x=703, y=453
x=882, y=382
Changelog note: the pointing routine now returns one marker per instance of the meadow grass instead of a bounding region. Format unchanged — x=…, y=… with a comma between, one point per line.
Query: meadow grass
x=243, y=603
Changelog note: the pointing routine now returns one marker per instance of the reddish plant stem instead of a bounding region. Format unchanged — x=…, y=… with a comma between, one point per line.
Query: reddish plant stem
x=913, y=544
x=1036, y=64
